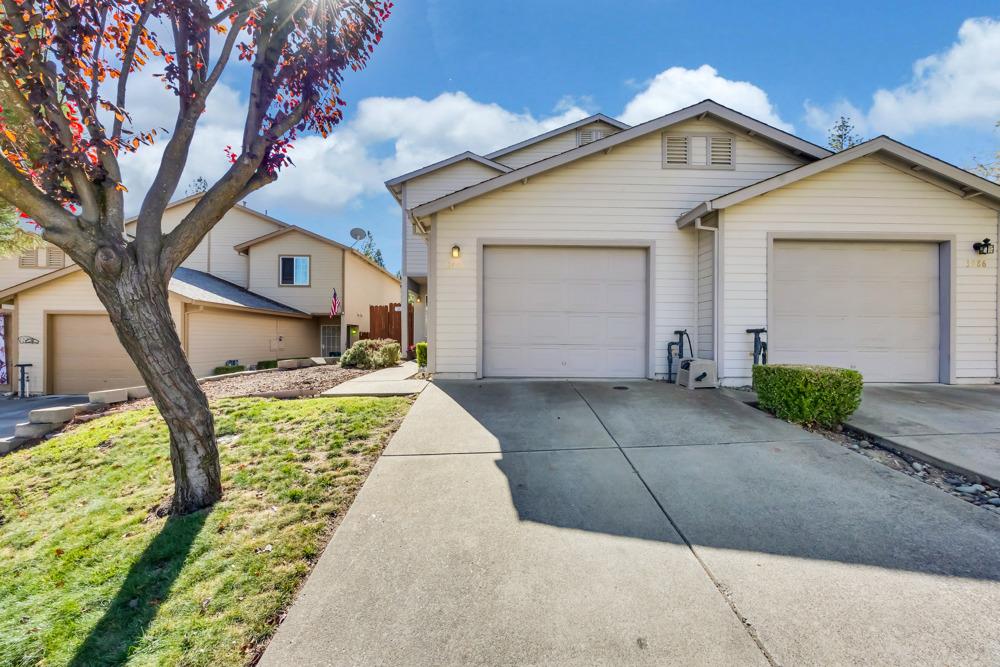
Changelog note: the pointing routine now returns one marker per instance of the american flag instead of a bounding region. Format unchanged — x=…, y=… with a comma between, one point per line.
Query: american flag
x=334, y=305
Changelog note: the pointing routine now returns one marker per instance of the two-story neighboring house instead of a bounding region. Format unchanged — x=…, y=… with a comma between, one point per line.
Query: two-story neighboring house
x=584, y=252
x=255, y=289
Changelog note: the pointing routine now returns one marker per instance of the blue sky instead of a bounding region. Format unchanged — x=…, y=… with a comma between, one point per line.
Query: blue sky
x=452, y=75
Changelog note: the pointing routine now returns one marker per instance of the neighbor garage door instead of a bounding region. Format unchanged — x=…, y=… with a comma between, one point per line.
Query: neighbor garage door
x=564, y=312
x=85, y=356
x=869, y=306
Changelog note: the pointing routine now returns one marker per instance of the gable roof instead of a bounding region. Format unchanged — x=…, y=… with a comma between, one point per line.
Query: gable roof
x=596, y=118
x=246, y=245
x=441, y=164
x=702, y=109
x=193, y=286
x=198, y=195
x=959, y=181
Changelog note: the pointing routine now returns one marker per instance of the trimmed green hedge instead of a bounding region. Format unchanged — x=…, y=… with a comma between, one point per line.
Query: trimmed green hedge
x=422, y=354
x=372, y=353
x=222, y=370
x=269, y=363
x=808, y=394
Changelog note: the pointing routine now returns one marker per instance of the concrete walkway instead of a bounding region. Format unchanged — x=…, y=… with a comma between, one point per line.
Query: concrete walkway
x=956, y=427
x=564, y=523
x=386, y=382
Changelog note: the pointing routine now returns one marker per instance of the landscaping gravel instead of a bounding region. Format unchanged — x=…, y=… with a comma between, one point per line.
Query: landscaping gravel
x=952, y=483
x=282, y=383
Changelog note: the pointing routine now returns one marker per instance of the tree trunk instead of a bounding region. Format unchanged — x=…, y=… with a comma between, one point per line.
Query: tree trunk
x=137, y=302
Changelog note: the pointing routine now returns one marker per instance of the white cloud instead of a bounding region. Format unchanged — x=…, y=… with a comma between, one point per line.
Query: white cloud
x=959, y=86
x=680, y=87
x=386, y=137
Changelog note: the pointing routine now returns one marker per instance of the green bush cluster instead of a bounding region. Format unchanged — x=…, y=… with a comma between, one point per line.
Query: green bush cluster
x=268, y=363
x=422, y=354
x=372, y=353
x=222, y=370
x=820, y=395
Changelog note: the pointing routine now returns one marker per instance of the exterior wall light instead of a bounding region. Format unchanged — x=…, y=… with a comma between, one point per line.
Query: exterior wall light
x=456, y=252
x=984, y=247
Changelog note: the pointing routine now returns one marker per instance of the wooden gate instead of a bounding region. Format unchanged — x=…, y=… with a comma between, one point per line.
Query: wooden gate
x=385, y=322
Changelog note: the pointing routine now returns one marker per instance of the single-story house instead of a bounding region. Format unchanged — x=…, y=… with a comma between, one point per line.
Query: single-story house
x=254, y=289
x=582, y=252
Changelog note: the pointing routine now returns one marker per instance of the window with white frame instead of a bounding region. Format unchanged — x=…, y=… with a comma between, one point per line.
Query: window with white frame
x=713, y=151
x=293, y=270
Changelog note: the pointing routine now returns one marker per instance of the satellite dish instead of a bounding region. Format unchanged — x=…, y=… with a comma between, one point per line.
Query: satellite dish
x=358, y=234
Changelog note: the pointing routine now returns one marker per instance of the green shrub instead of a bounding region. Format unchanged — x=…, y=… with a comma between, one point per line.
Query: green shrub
x=422, y=354
x=372, y=353
x=222, y=370
x=808, y=394
x=268, y=363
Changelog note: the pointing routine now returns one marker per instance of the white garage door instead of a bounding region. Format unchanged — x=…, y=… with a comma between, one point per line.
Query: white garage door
x=869, y=306
x=564, y=312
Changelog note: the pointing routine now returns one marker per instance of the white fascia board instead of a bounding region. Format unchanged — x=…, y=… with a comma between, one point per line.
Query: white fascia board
x=447, y=162
x=596, y=118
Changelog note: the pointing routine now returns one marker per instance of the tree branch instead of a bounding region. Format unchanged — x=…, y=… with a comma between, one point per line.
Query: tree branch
x=127, y=59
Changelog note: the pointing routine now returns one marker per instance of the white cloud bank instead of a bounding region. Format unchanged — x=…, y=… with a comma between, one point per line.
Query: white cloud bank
x=678, y=87
x=959, y=86
x=389, y=136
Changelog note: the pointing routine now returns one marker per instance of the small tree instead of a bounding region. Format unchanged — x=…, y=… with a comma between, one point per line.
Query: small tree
x=989, y=169
x=371, y=251
x=842, y=136
x=69, y=65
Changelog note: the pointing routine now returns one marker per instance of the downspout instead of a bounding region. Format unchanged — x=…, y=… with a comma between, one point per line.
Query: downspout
x=996, y=379
x=404, y=280
x=715, y=286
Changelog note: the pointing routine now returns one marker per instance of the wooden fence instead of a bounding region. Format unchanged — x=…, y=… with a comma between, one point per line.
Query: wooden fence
x=385, y=322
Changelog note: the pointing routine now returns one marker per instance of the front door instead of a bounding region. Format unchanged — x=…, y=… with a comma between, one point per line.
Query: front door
x=329, y=339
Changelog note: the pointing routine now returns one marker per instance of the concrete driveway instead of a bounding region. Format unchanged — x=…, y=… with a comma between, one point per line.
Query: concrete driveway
x=954, y=426
x=13, y=411
x=584, y=523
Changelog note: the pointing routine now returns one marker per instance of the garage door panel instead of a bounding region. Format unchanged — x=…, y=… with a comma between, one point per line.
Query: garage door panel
x=579, y=312
x=869, y=306
x=85, y=355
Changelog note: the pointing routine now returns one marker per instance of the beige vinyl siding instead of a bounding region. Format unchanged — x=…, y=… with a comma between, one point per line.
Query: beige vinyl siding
x=429, y=187
x=325, y=272
x=865, y=197
x=73, y=293
x=366, y=286
x=215, y=253
x=11, y=272
x=218, y=335
x=706, y=294
x=621, y=196
x=549, y=147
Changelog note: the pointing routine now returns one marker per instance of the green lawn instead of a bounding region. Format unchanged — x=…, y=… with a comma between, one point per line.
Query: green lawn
x=92, y=574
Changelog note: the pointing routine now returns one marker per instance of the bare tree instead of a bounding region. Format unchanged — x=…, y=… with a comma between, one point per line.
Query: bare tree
x=70, y=65
x=842, y=136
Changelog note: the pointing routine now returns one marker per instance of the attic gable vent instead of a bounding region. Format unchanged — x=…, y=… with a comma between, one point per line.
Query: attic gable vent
x=698, y=151
x=720, y=151
x=675, y=149
x=28, y=259
x=589, y=135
